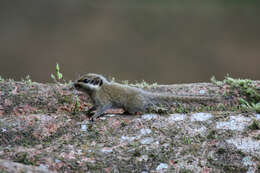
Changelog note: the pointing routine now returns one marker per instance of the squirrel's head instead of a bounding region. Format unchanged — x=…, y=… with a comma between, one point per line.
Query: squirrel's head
x=90, y=82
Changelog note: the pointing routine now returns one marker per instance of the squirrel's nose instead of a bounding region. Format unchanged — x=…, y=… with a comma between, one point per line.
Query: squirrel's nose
x=75, y=83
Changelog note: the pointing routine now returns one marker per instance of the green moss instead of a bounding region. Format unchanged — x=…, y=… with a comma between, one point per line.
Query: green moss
x=180, y=109
x=246, y=106
x=221, y=150
x=27, y=80
x=93, y=133
x=212, y=134
x=187, y=140
x=24, y=158
x=76, y=105
x=123, y=124
x=221, y=107
x=255, y=125
x=160, y=109
x=215, y=81
x=257, y=137
x=243, y=89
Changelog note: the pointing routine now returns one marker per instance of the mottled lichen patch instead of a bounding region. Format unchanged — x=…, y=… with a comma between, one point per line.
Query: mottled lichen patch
x=201, y=116
x=237, y=122
x=247, y=145
x=176, y=117
x=149, y=116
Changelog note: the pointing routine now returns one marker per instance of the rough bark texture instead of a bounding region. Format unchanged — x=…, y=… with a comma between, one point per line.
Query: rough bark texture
x=44, y=127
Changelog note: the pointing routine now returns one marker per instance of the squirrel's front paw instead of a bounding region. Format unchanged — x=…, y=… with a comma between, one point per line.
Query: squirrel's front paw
x=92, y=119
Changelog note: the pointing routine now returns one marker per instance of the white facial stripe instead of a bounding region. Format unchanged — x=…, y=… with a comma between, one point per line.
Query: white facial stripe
x=93, y=86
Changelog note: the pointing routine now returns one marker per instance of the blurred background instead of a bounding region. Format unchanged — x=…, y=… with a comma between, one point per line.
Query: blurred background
x=169, y=41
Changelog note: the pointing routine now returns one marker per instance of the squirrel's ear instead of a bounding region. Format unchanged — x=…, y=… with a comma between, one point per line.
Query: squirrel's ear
x=96, y=81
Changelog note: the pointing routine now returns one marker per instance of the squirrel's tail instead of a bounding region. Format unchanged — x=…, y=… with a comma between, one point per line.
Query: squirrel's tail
x=159, y=98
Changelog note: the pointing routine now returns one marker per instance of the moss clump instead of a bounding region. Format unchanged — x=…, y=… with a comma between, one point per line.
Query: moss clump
x=123, y=124
x=24, y=158
x=257, y=137
x=243, y=89
x=27, y=80
x=255, y=125
x=221, y=150
x=181, y=108
x=212, y=134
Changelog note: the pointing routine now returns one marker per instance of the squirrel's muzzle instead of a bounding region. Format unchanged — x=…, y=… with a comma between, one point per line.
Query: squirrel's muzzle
x=76, y=85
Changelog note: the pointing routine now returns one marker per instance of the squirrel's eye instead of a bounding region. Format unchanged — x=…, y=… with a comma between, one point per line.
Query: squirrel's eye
x=85, y=80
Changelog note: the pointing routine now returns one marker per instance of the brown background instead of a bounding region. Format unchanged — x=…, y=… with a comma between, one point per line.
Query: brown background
x=162, y=41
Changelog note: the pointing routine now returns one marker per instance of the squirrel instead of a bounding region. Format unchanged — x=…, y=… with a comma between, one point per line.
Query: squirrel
x=106, y=95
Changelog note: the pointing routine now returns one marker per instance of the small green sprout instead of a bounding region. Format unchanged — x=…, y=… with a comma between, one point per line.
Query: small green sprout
x=27, y=80
x=77, y=105
x=187, y=140
x=58, y=76
x=214, y=81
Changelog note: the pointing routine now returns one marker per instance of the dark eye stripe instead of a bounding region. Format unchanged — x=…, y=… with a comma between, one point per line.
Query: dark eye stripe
x=86, y=81
x=100, y=83
x=95, y=81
